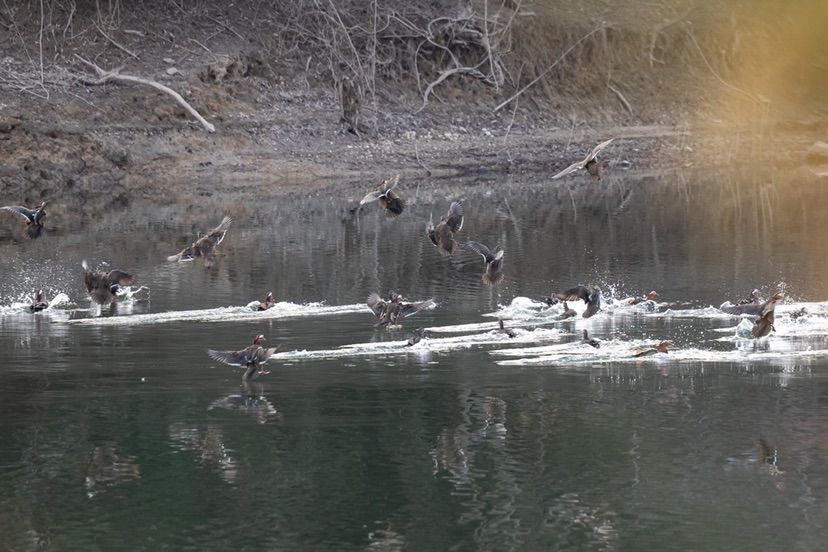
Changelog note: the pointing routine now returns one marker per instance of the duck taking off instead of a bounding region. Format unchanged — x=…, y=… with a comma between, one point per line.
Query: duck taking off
x=388, y=200
x=442, y=235
x=493, y=273
x=103, y=286
x=662, y=347
x=504, y=330
x=592, y=342
x=253, y=358
x=33, y=217
x=393, y=311
x=590, y=163
x=39, y=304
x=763, y=325
x=268, y=302
x=754, y=306
x=592, y=298
x=418, y=336
x=204, y=246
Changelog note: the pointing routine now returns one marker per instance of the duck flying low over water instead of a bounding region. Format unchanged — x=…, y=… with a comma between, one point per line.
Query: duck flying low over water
x=204, y=246
x=253, y=358
x=649, y=296
x=662, y=347
x=590, y=163
x=103, y=286
x=591, y=341
x=442, y=235
x=33, y=217
x=504, y=330
x=393, y=311
x=590, y=296
x=388, y=200
x=268, y=302
x=418, y=336
x=752, y=309
x=39, y=304
x=493, y=273
x=763, y=325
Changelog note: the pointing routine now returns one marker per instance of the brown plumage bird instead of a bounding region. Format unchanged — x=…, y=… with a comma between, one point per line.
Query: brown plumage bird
x=592, y=342
x=493, y=272
x=504, y=330
x=388, y=200
x=268, y=302
x=103, y=286
x=662, y=347
x=204, y=246
x=568, y=312
x=33, y=217
x=592, y=298
x=39, y=304
x=442, y=235
x=590, y=163
x=763, y=325
x=393, y=311
x=753, y=299
x=252, y=358
x=649, y=296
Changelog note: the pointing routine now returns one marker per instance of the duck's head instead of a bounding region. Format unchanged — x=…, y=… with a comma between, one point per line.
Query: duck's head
x=778, y=296
x=664, y=346
x=258, y=339
x=651, y=295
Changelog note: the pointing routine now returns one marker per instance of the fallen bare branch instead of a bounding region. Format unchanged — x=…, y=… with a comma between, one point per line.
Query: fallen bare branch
x=547, y=70
x=112, y=40
x=446, y=74
x=621, y=98
x=115, y=75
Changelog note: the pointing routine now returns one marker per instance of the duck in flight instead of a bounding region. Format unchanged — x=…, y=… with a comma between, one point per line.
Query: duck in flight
x=493, y=261
x=268, y=302
x=39, y=304
x=393, y=311
x=252, y=358
x=33, y=217
x=590, y=163
x=204, y=246
x=442, y=235
x=590, y=296
x=763, y=325
x=103, y=286
x=388, y=200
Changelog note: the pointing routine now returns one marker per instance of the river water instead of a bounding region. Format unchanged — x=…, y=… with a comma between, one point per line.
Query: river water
x=118, y=432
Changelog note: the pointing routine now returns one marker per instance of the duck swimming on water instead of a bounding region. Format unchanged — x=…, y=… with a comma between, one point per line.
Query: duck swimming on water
x=592, y=342
x=253, y=358
x=103, y=286
x=34, y=226
x=662, y=347
x=504, y=330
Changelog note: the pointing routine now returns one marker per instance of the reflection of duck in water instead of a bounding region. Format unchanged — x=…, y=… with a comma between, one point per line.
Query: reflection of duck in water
x=394, y=310
x=39, y=304
x=662, y=347
x=103, y=286
x=763, y=325
x=34, y=226
x=204, y=246
x=504, y=330
x=388, y=200
x=418, y=336
x=493, y=261
x=592, y=298
x=268, y=302
x=442, y=235
x=592, y=342
x=253, y=358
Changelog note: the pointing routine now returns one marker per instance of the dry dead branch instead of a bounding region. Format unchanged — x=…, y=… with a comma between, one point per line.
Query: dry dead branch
x=621, y=98
x=115, y=75
x=112, y=40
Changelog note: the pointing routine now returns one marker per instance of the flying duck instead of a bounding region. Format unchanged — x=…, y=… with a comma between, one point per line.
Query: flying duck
x=204, y=246
x=388, y=200
x=252, y=358
x=393, y=311
x=753, y=309
x=649, y=296
x=590, y=163
x=268, y=302
x=103, y=286
x=33, y=217
x=763, y=325
x=442, y=235
x=493, y=273
x=592, y=298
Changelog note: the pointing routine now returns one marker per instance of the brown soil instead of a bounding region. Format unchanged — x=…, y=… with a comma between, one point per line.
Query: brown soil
x=278, y=123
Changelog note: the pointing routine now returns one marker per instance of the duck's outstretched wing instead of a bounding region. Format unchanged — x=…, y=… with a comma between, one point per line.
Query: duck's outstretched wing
x=454, y=218
x=578, y=292
x=27, y=214
x=373, y=196
x=232, y=358
x=376, y=304
x=578, y=165
x=596, y=150
x=408, y=309
x=482, y=250
x=430, y=231
x=217, y=233
x=120, y=277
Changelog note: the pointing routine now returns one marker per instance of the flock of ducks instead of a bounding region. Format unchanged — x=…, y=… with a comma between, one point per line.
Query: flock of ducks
x=103, y=287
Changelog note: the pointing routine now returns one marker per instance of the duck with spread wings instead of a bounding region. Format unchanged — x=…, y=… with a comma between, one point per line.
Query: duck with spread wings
x=205, y=246
x=388, y=200
x=33, y=217
x=592, y=298
x=393, y=311
x=442, y=235
x=590, y=163
x=103, y=286
x=252, y=358
x=493, y=261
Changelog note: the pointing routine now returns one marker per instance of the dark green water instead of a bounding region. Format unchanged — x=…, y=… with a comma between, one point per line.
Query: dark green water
x=122, y=435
